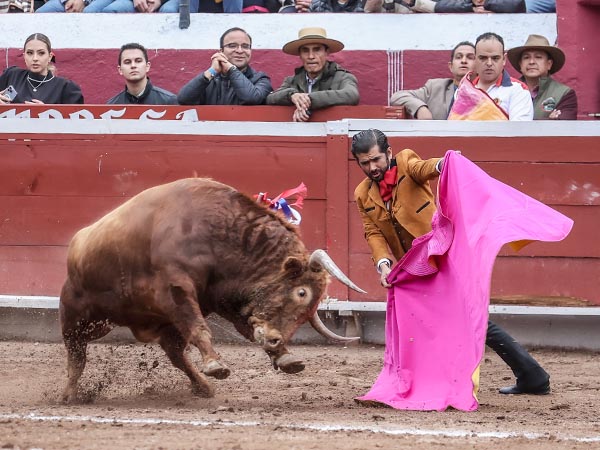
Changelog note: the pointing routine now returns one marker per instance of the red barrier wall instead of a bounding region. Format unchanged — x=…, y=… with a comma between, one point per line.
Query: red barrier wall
x=54, y=182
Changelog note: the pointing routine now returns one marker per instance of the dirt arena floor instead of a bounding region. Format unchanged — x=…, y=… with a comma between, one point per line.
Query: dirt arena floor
x=134, y=399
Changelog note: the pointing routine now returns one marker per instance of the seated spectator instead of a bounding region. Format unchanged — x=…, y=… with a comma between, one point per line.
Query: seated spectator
x=537, y=60
x=74, y=6
x=541, y=6
x=229, y=80
x=38, y=83
x=134, y=67
x=510, y=94
x=434, y=100
x=446, y=6
x=336, y=6
x=319, y=83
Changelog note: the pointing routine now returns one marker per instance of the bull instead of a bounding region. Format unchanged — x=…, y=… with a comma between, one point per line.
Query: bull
x=167, y=258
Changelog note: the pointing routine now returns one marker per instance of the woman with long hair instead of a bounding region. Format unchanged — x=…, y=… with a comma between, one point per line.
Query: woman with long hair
x=38, y=83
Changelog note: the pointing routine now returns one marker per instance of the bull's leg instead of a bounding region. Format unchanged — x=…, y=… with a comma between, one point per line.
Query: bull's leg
x=77, y=332
x=174, y=346
x=76, y=358
x=192, y=324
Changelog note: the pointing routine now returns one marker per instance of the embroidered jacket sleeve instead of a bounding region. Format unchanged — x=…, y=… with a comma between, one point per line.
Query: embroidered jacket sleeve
x=375, y=239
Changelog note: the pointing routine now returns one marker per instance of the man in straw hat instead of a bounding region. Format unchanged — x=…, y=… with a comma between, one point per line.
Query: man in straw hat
x=537, y=60
x=319, y=83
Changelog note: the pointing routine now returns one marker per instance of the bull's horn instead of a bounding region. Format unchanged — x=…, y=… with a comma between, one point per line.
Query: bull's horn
x=318, y=325
x=325, y=260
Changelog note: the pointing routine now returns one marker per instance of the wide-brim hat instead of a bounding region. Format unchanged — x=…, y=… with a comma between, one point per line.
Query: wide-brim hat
x=537, y=42
x=312, y=35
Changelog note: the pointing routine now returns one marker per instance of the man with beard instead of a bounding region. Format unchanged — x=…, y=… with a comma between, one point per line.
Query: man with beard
x=396, y=206
x=434, y=100
x=134, y=67
x=229, y=80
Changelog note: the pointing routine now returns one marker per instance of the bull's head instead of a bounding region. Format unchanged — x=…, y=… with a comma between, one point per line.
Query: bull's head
x=297, y=293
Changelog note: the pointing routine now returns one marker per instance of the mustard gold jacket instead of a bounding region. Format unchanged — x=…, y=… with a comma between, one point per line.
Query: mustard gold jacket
x=412, y=205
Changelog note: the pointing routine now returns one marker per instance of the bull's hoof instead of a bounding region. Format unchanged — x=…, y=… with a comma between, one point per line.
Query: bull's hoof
x=290, y=364
x=216, y=369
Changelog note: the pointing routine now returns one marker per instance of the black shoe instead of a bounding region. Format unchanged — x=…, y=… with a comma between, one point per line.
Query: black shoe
x=516, y=389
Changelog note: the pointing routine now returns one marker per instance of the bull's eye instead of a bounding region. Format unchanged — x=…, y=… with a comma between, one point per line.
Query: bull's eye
x=301, y=292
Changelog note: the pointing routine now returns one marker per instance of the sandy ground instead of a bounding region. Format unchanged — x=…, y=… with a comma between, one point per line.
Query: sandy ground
x=136, y=399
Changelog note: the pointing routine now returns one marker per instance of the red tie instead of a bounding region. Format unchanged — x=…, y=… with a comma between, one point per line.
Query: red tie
x=387, y=184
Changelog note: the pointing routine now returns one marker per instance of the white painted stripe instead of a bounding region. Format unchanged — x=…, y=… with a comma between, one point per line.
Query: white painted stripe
x=541, y=128
x=43, y=302
x=272, y=31
x=24, y=301
x=449, y=433
x=149, y=126
x=397, y=128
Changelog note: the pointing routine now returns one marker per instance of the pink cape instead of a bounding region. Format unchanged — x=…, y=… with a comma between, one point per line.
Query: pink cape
x=437, y=307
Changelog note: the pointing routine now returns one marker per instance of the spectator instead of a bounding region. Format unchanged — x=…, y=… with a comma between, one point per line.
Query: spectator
x=434, y=100
x=446, y=6
x=229, y=80
x=537, y=60
x=38, y=83
x=510, y=94
x=74, y=6
x=336, y=6
x=319, y=83
x=134, y=67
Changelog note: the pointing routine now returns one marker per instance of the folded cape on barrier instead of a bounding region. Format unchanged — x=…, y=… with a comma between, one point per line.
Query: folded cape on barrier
x=437, y=306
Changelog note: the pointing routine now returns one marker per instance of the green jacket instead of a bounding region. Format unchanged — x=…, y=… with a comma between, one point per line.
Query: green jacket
x=335, y=86
x=554, y=95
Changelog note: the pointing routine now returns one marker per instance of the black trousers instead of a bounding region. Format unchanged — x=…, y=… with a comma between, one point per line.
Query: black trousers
x=527, y=370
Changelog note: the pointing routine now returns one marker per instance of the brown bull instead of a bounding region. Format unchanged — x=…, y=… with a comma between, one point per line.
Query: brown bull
x=164, y=260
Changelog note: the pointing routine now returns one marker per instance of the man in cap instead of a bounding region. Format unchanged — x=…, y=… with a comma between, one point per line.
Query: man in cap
x=434, y=100
x=507, y=92
x=537, y=60
x=319, y=83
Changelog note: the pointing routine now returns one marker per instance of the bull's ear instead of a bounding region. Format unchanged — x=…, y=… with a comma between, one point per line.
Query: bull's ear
x=293, y=267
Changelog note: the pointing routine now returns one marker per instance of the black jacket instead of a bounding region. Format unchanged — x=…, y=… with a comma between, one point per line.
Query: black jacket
x=234, y=88
x=152, y=95
x=50, y=89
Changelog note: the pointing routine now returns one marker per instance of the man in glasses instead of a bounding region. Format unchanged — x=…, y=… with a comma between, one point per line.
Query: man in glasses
x=229, y=80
